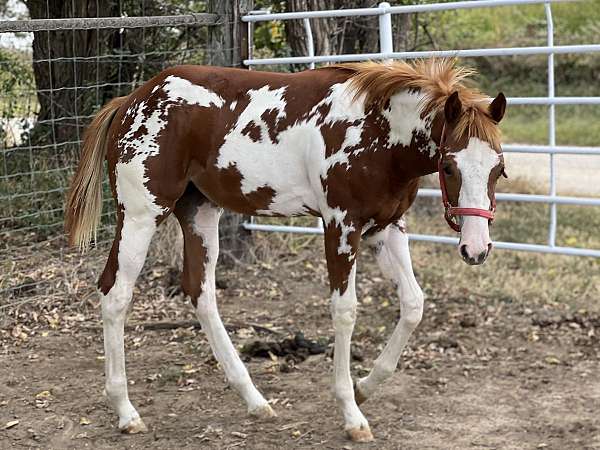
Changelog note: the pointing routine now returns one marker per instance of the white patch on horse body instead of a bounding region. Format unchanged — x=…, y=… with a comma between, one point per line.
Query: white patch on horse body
x=404, y=117
x=132, y=192
x=179, y=89
x=202, y=227
x=475, y=163
x=344, y=108
x=233, y=105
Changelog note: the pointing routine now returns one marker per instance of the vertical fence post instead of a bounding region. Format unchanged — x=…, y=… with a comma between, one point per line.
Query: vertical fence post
x=310, y=43
x=551, y=126
x=386, y=42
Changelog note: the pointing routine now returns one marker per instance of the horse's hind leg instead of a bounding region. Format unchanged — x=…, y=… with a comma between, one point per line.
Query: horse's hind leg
x=124, y=264
x=199, y=221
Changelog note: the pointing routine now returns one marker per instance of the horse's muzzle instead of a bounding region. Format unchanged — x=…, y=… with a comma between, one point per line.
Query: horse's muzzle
x=474, y=260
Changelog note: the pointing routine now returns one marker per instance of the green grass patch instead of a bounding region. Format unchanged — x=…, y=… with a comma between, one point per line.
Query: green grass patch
x=575, y=125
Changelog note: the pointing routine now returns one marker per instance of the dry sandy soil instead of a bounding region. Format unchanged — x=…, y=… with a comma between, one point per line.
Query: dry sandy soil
x=482, y=371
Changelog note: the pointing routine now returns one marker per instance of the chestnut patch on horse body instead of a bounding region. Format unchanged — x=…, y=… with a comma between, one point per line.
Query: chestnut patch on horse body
x=109, y=274
x=252, y=131
x=195, y=254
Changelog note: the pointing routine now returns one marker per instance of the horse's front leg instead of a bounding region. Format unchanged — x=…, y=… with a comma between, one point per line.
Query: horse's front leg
x=341, y=247
x=392, y=254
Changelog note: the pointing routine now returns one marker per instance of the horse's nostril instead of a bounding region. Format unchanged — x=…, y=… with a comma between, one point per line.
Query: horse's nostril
x=482, y=257
x=489, y=248
x=463, y=251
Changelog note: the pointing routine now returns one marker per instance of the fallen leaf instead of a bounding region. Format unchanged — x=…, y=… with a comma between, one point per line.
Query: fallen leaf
x=43, y=394
x=84, y=421
x=11, y=424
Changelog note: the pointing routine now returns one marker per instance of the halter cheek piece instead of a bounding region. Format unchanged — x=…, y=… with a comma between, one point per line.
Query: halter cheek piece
x=453, y=211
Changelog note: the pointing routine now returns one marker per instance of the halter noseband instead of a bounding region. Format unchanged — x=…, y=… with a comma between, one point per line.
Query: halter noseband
x=453, y=211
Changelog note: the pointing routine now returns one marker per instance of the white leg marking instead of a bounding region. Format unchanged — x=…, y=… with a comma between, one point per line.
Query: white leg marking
x=135, y=239
x=343, y=311
x=206, y=225
x=393, y=257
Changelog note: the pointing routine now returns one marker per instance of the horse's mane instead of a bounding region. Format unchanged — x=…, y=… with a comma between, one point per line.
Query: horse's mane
x=437, y=79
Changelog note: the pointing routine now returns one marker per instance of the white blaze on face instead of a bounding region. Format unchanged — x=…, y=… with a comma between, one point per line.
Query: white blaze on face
x=475, y=163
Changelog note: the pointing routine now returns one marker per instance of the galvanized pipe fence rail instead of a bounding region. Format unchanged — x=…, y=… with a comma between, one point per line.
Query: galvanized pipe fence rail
x=386, y=45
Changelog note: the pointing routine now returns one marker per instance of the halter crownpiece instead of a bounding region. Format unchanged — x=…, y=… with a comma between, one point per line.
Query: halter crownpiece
x=454, y=211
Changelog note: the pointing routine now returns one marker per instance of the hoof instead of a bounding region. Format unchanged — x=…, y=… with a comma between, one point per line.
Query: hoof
x=359, y=397
x=134, y=427
x=263, y=412
x=362, y=434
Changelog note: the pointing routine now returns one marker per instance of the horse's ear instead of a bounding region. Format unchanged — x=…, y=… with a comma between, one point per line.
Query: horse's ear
x=453, y=108
x=498, y=107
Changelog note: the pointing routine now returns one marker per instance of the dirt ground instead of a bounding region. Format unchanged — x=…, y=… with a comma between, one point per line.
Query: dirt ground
x=481, y=371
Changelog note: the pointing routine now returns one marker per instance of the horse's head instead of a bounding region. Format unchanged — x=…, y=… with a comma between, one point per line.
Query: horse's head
x=471, y=163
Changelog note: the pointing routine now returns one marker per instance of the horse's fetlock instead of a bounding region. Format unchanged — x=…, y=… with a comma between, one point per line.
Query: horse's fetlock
x=115, y=387
x=412, y=317
x=385, y=370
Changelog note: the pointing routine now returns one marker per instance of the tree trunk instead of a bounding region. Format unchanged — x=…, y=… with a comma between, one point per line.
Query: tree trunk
x=63, y=84
x=323, y=30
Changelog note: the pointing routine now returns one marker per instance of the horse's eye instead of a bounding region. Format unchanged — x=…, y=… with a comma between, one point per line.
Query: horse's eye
x=503, y=173
x=448, y=169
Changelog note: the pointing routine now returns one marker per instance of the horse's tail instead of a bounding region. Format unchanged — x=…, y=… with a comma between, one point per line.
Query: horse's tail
x=84, y=202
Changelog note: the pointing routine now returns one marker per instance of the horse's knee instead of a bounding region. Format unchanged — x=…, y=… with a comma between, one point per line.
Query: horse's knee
x=343, y=310
x=412, y=309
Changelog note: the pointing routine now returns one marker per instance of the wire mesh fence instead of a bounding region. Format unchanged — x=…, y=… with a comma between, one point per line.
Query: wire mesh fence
x=52, y=81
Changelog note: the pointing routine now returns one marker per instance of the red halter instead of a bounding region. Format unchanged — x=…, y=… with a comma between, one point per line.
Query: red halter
x=454, y=211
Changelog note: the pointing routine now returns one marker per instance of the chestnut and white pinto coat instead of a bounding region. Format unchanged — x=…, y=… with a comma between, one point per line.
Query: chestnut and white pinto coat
x=347, y=143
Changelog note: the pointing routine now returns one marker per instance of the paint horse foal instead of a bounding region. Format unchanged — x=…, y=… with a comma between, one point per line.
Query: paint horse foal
x=347, y=143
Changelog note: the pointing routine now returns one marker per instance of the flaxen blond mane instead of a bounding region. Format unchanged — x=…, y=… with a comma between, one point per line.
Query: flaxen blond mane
x=437, y=79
